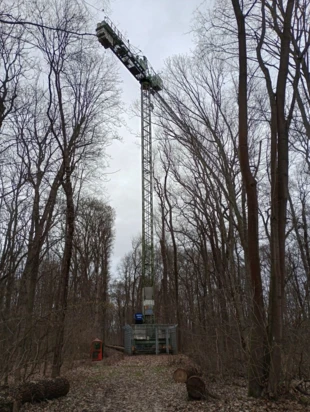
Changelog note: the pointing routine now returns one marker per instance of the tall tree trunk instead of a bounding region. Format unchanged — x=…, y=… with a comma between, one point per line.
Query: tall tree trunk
x=279, y=208
x=258, y=338
x=175, y=258
x=104, y=296
x=65, y=271
x=163, y=249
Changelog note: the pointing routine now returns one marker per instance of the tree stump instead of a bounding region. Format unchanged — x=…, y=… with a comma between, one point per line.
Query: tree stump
x=196, y=388
x=181, y=375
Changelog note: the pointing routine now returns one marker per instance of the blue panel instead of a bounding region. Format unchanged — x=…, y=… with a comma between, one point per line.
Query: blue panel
x=138, y=318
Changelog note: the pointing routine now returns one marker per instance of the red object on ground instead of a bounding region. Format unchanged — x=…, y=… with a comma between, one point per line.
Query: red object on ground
x=96, y=350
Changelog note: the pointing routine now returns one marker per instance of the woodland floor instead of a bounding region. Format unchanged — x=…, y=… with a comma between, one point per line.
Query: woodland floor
x=145, y=384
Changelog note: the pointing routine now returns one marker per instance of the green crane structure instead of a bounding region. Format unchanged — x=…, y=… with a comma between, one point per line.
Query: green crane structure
x=138, y=65
x=147, y=337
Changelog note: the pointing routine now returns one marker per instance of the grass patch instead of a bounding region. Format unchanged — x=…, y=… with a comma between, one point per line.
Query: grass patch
x=159, y=369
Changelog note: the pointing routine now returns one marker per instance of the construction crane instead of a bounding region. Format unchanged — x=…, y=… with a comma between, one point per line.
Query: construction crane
x=144, y=336
x=151, y=83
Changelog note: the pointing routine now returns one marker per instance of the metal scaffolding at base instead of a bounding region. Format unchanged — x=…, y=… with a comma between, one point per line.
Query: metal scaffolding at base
x=156, y=338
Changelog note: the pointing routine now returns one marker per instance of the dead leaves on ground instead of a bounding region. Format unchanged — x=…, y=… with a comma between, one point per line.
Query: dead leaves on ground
x=145, y=384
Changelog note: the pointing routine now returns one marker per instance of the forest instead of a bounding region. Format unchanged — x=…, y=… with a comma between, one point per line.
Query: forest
x=231, y=192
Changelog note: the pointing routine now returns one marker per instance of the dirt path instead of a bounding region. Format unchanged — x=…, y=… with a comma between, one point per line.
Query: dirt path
x=144, y=384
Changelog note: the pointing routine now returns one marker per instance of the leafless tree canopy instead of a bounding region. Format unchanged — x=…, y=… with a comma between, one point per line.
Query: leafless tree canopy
x=59, y=102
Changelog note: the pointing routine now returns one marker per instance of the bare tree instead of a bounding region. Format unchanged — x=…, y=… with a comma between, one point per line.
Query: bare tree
x=12, y=65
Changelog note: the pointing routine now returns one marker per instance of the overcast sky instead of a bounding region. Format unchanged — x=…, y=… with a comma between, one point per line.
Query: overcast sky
x=160, y=28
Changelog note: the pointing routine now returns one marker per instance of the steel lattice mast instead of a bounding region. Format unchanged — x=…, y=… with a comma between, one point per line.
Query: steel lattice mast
x=110, y=37
x=147, y=187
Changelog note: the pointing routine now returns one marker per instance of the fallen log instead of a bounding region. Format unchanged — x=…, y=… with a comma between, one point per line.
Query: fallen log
x=115, y=347
x=181, y=375
x=34, y=391
x=297, y=386
x=196, y=388
x=6, y=399
x=44, y=389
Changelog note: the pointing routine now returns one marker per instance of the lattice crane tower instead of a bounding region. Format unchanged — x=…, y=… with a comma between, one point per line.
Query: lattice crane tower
x=110, y=38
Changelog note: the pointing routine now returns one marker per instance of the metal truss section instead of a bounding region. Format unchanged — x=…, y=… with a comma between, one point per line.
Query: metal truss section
x=110, y=37
x=147, y=187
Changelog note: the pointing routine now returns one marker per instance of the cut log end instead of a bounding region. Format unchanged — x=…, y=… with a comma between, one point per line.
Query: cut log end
x=181, y=375
x=196, y=388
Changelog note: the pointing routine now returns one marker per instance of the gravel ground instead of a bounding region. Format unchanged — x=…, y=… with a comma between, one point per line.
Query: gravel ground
x=145, y=384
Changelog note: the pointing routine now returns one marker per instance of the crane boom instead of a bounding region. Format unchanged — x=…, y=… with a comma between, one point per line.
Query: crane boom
x=110, y=37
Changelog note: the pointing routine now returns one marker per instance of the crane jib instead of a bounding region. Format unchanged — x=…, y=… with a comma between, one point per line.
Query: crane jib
x=110, y=37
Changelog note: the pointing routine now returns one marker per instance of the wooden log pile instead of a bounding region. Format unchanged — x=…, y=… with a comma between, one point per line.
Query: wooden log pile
x=34, y=391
